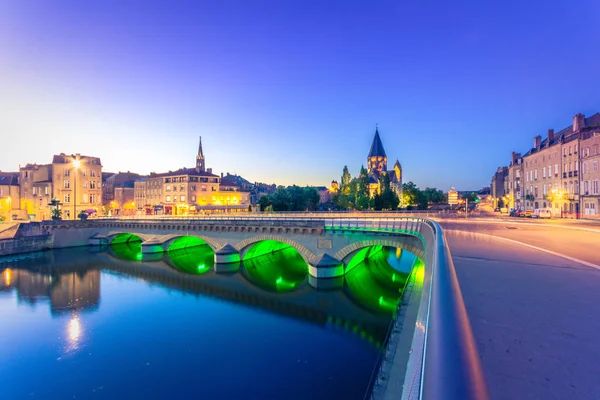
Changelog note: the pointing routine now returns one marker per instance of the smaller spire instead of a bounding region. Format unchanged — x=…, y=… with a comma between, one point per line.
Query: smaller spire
x=200, y=153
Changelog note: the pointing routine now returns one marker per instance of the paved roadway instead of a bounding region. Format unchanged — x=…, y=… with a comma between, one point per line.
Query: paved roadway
x=534, y=304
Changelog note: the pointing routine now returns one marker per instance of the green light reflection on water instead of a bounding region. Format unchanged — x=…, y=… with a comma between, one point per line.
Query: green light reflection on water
x=195, y=260
x=274, y=266
x=377, y=281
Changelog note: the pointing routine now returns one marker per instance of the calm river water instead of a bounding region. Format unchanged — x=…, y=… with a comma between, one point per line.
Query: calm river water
x=105, y=324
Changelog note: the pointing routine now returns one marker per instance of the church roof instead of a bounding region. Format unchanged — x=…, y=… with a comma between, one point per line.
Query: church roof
x=377, y=147
x=397, y=163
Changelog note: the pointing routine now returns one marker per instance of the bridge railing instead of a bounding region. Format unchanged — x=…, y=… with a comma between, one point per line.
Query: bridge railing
x=444, y=361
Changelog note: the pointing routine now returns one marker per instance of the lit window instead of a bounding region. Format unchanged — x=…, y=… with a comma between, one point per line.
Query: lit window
x=168, y=198
x=67, y=197
x=67, y=184
x=182, y=198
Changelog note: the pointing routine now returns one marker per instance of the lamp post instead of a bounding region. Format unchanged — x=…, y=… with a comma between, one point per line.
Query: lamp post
x=76, y=164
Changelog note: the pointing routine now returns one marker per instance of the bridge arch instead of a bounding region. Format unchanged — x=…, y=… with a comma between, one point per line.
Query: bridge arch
x=347, y=252
x=126, y=236
x=305, y=253
x=168, y=240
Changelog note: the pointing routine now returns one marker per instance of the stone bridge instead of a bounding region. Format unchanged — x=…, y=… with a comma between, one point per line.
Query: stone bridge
x=325, y=247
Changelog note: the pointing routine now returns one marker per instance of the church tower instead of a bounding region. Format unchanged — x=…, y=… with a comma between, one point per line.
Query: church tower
x=377, y=159
x=200, y=162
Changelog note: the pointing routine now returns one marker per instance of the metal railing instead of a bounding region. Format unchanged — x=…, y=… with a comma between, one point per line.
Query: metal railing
x=444, y=361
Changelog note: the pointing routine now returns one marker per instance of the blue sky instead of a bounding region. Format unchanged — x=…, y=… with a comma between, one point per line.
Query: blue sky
x=290, y=91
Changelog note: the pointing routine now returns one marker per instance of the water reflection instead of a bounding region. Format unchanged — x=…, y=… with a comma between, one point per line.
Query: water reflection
x=281, y=271
x=192, y=260
x=378, y=280
x=65, y=291
x=127, y=251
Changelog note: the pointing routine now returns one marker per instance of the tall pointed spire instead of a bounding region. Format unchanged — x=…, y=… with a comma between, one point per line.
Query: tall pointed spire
x=377, y=147
x=200, y=162
x=200, y=153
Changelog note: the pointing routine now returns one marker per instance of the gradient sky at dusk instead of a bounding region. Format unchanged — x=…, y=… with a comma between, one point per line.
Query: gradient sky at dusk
x=289, y=91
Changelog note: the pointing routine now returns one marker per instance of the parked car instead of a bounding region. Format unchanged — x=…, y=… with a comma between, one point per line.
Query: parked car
x=497, y=209
x=544, y=213
x=513, y=212
x=528, y=213
x=520, y=213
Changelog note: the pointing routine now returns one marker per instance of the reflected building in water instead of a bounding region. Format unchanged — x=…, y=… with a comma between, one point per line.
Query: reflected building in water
x=66, y=292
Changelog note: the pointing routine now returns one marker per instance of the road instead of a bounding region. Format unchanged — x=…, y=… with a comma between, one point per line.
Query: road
x=532, y=292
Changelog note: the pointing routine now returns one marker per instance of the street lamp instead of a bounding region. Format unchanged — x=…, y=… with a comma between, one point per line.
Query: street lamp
x=76, y=164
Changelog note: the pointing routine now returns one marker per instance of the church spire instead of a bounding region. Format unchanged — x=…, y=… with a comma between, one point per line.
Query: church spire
x=200, y=166
x=377, y=147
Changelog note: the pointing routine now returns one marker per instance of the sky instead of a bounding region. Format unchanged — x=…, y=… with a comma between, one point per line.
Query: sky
x=289, y=92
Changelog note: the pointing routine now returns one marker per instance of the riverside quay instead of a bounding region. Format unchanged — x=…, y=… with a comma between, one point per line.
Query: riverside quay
x=323, y=306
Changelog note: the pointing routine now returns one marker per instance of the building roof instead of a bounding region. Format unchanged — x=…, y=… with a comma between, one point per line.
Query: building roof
x=234, y=180
x=377, y=147
x=9, y=178
x=183, y=171
x=63, y=158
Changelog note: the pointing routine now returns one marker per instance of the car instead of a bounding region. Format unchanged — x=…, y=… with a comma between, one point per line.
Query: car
x=520, y=213
x=544, y=213
x=513, y=212
x=497, y=209
x=528, y=213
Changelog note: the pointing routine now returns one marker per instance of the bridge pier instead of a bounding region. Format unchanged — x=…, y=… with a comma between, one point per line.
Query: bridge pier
x=152, y=246
x=325, y=266
x=227, y=259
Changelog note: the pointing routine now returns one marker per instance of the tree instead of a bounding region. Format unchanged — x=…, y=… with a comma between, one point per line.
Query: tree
x=56, y=213
x=312, y=198
x=389, y=198
x=264, y=202
x=362, y=196
x=346, y=178
x=280, y=200
x=434, y=196
x=472, y=197
x=412, y=196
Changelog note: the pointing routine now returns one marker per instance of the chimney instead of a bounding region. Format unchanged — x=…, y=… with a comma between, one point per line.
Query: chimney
x=537, y=141
x=221, y=175
x=578, y=122
x=209, y=170
x=550, y=135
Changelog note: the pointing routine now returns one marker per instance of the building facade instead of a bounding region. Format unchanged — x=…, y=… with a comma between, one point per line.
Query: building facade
x=557, y=172
x=9, y=196
x=191, y=191
x=497, y=187
x=590, y=174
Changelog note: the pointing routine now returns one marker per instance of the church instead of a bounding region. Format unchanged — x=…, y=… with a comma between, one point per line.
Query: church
x=377, y=167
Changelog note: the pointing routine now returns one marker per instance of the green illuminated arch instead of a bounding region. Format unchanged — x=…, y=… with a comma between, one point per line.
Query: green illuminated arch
x=275, y=266
x=195, y=260
x=184, y=242
x=121, y=238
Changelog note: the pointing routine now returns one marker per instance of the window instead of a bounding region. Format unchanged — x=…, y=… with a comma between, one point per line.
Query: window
x=174, y=199
x=46, y=190
x=518, y=174
x=26, y=174
x=34, y=190
x=556, y=169
x=586, y=187
x=595, y=150
x=595, y=187
x=182, y=198
x=543, y=173
x=214, y=189
x=545, y=190
x=570, y=150
x=576, y=187
x=565, y=152
x=576, y=165
x=535, y=175
x=83, y=172
x=168, y=198
x=67, y=198
x=92, y=184
x=67, y=184
x=182, y=188
x=193, y=198
x=168, y=188
x=585, y=152
x=67, y=172
x=85, y=184
x=595, y=166
x=92, y=198
x=84, y=198
x=92, y=172
x=536, y=191
x=571, y=189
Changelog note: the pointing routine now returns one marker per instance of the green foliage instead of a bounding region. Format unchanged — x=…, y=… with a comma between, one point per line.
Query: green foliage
x=292, y=198
x=412, y=196
x=472, y=197
x=435, y=196
x=56, y=213
x=83, y=216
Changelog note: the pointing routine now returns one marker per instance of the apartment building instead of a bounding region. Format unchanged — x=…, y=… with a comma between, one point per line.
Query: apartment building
x=590, y=174
x=9, y=195
x=558, y=171
x=74, y=180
